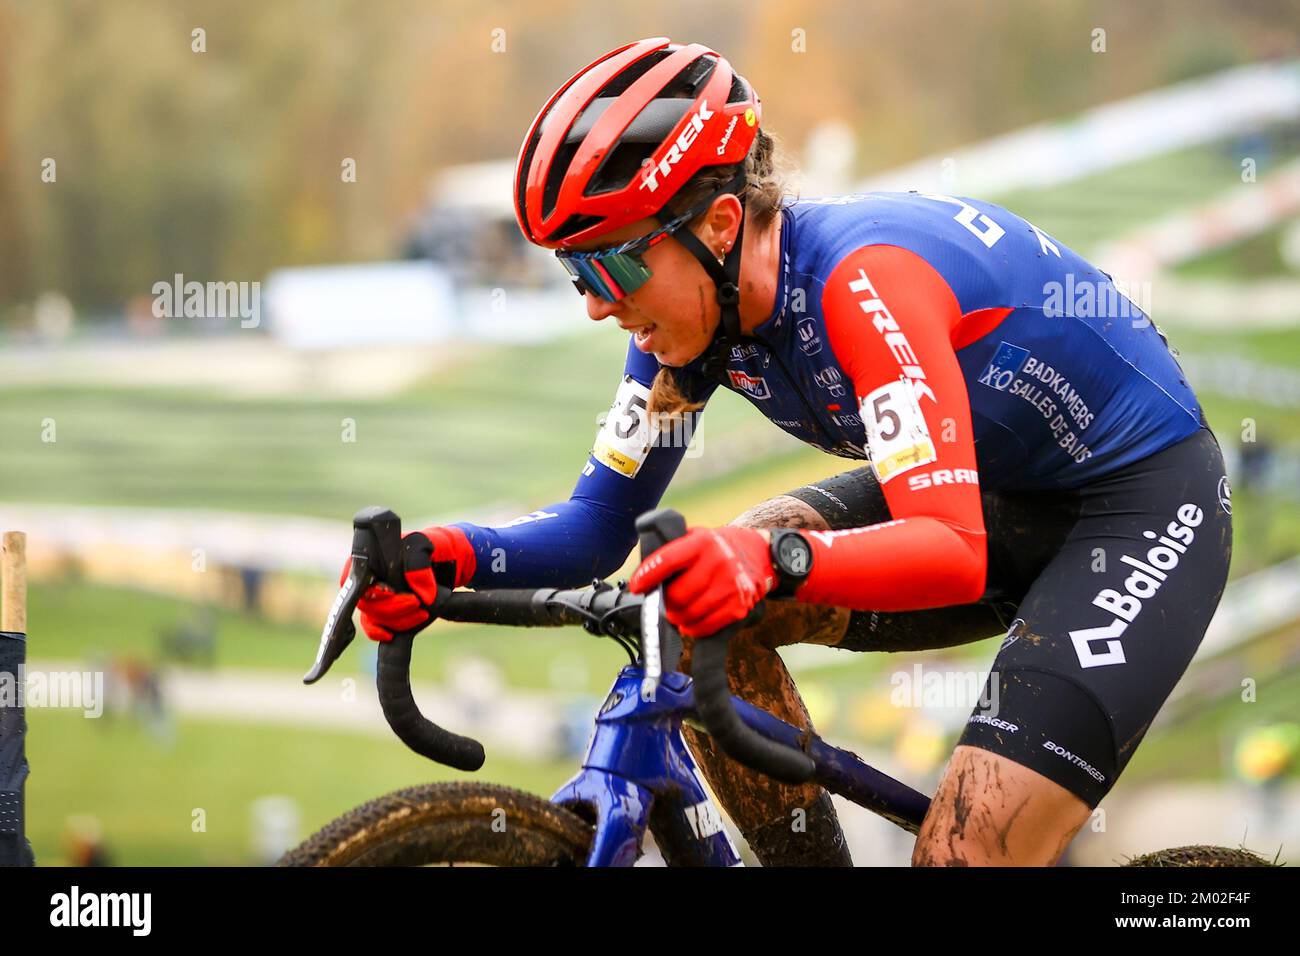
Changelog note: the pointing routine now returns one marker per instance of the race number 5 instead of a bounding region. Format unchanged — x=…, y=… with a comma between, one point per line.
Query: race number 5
x=975, y=222
x=624, y=440
x=630, y=416
x=884, y=414
x=897, y=435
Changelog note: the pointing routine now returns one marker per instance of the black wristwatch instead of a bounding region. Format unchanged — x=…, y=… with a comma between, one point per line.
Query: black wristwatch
x=792, y=559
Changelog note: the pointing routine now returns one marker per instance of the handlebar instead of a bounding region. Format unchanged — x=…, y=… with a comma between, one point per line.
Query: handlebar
x=712, y=691
x=736, y=738
x=376, y=557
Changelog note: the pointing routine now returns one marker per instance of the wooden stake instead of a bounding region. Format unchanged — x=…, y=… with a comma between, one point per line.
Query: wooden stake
x=13, y=581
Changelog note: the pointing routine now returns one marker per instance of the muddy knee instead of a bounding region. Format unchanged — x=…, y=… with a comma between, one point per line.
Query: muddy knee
x=783, y=623
x=991, y=811
x=783, y=511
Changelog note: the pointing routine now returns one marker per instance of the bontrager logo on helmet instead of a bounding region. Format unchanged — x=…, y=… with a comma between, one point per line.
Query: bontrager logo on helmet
x=614, y=143
x=678, y=149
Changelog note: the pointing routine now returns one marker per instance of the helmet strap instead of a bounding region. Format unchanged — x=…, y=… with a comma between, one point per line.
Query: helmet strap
x=726, y=280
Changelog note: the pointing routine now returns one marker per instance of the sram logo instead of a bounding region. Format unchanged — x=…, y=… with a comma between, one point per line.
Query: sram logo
x=944, y=476
x=685, y=139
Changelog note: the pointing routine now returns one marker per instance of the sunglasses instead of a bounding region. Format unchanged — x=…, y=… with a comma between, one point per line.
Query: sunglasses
x=620, y=270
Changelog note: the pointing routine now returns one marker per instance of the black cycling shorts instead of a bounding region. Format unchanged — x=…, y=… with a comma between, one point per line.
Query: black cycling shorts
x=1104, y=593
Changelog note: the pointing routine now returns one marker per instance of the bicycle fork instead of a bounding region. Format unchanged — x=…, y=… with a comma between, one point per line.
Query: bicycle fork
x=638, y=774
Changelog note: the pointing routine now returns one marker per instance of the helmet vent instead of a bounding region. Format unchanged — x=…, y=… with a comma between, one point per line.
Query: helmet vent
x=574, y=225
x=691, y=79
x=648, y=130
x=555, y=176
x=619, y=84
x=739, y=90
x=619, y=167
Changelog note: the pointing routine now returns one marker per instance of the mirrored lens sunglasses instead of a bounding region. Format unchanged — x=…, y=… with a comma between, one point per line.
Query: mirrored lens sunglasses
x=619, y=270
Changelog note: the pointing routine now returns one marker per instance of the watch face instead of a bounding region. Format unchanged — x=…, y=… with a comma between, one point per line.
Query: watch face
x=794, y=553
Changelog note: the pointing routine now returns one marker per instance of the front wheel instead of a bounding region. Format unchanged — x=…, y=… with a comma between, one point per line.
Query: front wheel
x=1200, y=856
x=449, y=823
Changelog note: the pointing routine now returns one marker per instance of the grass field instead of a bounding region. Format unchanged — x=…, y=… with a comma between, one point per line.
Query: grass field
x=1279, y=347
x=81, y=622
x=1108, y=204
x=1259, y=257
x=1198, y=748
x=145, y=794
x=512, y=426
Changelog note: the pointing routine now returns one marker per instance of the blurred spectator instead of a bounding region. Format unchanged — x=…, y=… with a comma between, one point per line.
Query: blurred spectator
x=1263, y=758
x=477, y=685
x=251, y=578
x=194, y=641
x=1265, y=754
x=276, y=825
x=140, y=317
x=1257, y=144
x=368, y=659
x=83, y=841
x=574, y=728
x=53, y=317
x=1256, y=460
x=133, y=685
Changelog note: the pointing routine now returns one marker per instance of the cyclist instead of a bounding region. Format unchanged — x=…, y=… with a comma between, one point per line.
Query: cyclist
x=1037, y=463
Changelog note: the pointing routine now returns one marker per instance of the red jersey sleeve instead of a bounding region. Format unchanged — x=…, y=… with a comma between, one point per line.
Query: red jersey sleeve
x=890, y=319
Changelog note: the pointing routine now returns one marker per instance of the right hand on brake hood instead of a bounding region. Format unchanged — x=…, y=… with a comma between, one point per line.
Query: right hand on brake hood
x=432, y=557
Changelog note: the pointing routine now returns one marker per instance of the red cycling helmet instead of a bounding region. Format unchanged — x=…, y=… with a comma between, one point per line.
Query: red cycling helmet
x=618, y=140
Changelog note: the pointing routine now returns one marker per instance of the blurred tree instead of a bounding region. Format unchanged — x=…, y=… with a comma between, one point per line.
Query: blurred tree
x=15, y=275
x=225, y=163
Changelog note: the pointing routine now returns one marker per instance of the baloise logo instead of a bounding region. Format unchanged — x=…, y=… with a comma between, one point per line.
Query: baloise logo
x=1102, y=646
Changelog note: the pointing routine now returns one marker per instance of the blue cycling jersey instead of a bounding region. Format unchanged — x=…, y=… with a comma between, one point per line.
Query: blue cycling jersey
x=1066, y=379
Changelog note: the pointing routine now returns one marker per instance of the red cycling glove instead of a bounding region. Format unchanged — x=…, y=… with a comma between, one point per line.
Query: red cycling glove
x=721, y=574
x=430, y=557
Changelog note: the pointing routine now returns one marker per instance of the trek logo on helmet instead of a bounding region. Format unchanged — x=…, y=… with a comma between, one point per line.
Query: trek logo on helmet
x=679, y=149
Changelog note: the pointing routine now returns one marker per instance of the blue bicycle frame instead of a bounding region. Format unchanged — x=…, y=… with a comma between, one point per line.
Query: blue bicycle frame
x=639, y=774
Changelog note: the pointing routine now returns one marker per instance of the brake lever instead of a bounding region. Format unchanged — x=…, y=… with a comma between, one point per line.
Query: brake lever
x=661, y=642
x=651, y=617
x=376, y=554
